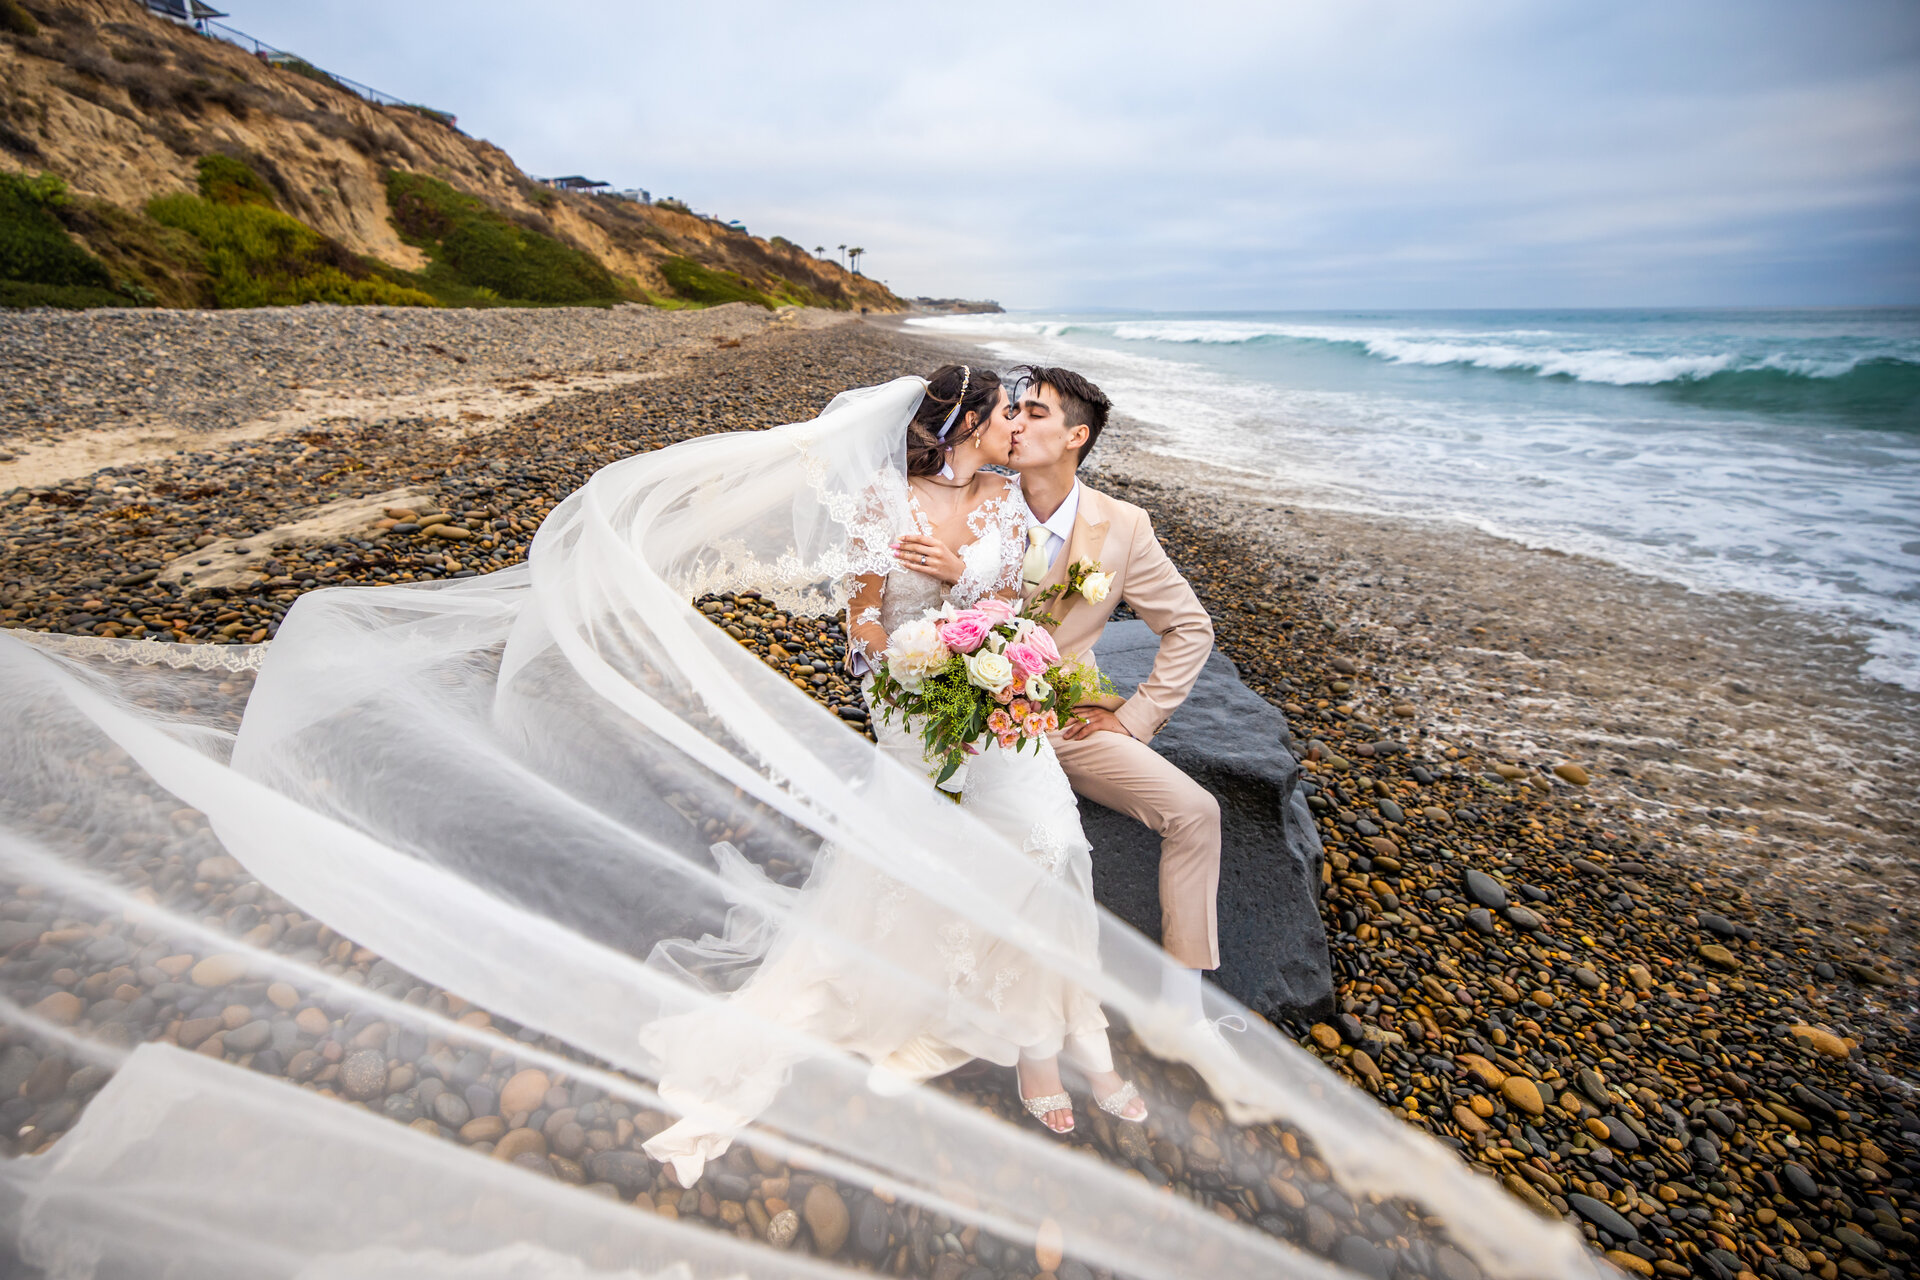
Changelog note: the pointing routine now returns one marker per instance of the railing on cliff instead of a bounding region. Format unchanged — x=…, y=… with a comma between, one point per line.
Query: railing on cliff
x=300, y=66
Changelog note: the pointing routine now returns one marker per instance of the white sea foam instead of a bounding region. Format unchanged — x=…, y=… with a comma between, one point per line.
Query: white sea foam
x=1547, y=353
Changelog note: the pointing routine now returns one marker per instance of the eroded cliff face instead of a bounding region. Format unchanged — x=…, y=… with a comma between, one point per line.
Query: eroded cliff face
x=122, y=103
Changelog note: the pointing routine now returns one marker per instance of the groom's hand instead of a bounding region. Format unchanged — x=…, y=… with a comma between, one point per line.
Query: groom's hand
x=1089, y=719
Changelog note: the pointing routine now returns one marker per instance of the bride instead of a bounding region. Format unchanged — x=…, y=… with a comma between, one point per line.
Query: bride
x=967, y=526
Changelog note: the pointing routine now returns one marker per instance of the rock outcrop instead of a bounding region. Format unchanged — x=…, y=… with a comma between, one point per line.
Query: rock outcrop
x=1273, y=946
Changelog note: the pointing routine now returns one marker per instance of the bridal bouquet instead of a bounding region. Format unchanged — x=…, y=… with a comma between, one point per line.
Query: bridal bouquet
x=973, y=674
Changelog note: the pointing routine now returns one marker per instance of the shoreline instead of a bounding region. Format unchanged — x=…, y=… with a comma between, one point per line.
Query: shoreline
x=1641, y=991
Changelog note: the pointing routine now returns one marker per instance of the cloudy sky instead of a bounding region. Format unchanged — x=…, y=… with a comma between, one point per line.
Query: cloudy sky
x=1218, y=155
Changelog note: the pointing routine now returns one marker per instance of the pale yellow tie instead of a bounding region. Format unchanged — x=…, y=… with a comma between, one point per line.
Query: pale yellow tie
x=1034, y=567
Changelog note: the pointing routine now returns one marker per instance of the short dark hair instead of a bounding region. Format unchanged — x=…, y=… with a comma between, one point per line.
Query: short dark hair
x=926, y=452
x=1083, y=403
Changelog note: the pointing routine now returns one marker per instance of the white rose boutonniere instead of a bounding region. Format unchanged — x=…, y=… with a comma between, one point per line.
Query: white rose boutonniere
x=1094, y=586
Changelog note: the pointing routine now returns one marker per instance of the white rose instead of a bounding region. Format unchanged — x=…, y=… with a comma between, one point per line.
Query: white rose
x=989, y=670
x=1094, y=587
x=915, y=652
x=1038, y=689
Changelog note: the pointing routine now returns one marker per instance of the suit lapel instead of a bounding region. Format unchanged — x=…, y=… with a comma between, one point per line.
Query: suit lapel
x=1087, y=541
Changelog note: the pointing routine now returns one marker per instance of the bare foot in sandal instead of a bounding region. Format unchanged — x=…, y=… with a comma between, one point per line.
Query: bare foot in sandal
x=1042, y=1094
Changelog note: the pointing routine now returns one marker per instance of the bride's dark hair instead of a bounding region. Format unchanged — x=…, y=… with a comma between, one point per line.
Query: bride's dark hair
x=926, y=451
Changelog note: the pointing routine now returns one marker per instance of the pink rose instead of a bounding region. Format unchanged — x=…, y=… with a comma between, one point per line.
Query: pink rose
x=1027, y=659
x=996, y=609
x=1040, y=640
x=966, y=631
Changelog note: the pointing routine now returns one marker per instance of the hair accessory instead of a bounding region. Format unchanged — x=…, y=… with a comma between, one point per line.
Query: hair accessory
x=966, y=380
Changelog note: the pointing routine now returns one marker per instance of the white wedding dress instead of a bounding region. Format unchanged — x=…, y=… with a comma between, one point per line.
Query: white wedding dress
x=515, y=788
x=825, y=984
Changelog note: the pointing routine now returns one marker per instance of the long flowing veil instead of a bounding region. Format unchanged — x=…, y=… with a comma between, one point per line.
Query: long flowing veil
x=513, y=789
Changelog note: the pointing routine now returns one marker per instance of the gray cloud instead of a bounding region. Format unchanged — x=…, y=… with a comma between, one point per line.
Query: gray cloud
x=1220, y=155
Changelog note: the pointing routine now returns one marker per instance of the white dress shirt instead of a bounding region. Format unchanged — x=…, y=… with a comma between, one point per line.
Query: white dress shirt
x=1059, y=525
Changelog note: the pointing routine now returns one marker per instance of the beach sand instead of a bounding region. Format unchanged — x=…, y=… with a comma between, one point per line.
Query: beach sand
x=1653, y=987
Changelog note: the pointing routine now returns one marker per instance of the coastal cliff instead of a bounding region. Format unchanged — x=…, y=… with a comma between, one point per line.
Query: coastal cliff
x=125, y=108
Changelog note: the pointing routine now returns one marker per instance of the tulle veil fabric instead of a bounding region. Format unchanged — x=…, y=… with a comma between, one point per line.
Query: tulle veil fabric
x=518, y=786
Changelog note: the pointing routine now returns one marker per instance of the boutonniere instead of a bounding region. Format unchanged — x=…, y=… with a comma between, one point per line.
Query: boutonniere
x=1084, y=579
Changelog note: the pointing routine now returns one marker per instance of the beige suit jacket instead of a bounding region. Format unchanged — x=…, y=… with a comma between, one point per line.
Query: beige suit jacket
x=1119, y=536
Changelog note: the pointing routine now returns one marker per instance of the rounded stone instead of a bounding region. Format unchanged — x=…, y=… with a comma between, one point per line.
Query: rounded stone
x=1603, y=1216
x=62, y=1007
x=1799, y=1181
x=219, y=971
x=483, y=1129
x=1573, y=773
x=251, y=1038
x=1049, y=1245
x=1715, y=954
x=525, y=1091
x=628, y=1170
x=450, y=1109
x=363, y=1074
x=519, y=1142
x=1524, y=1094
x=1484, y=889
x=827, y=1219
x=783, y=1229
x=1823, y=1041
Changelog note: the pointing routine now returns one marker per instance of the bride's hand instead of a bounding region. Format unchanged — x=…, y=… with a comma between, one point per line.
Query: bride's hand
x=930, y=556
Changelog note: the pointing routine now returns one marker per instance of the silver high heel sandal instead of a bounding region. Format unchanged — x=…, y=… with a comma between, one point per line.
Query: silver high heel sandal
x=1038, y=1108
x=1116, y=1105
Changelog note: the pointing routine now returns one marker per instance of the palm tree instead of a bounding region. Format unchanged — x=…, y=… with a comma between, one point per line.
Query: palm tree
x=819, y=251
x=843, y=249
x=855, y=255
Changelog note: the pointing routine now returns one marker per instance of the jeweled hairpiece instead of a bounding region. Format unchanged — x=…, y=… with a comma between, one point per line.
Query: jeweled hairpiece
x=966, y=379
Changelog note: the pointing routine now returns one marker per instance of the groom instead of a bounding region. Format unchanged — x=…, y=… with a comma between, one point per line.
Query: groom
x=1105, y=754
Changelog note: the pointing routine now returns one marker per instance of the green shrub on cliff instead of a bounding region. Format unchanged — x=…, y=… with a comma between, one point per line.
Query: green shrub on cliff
x=225, y=180
x=257, y=256
x=40, y=264
x=475, y=249
x=17, y=21
x=696, y=283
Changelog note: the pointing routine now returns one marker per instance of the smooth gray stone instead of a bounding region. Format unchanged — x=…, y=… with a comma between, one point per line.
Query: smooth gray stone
x=1604, y=1217
x=1236, y=744
x=1484, y=889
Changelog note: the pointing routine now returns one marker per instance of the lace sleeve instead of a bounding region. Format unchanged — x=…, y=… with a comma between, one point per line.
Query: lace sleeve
x=870, y=558
x=993, y=568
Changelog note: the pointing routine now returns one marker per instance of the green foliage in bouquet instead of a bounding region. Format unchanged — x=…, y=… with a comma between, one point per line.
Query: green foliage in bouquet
x=955, y=713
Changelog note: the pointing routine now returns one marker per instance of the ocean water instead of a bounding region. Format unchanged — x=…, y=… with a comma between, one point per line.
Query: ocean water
x=1770, y=452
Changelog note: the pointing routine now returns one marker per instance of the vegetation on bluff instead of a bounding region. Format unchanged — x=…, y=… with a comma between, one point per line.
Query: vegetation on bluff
x=40, y=263
x=481, y=257
x=256, y=256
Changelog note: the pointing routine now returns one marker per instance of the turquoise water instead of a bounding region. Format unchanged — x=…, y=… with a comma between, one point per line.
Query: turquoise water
x=1773, y=452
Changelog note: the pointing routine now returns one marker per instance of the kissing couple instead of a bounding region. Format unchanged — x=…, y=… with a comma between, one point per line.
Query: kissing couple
x=942, y=529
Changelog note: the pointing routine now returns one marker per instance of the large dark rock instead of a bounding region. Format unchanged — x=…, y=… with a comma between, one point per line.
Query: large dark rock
x=1273, y=946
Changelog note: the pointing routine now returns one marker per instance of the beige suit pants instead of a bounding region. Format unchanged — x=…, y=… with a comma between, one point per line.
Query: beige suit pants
x=1130, y=777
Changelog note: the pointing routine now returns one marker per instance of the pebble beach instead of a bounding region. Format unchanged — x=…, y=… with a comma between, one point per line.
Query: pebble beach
x=1612, y=1005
